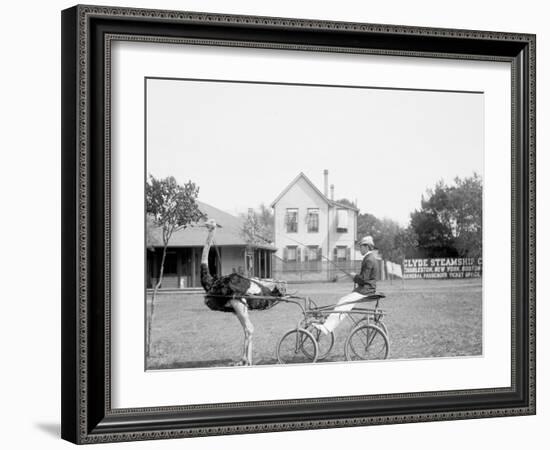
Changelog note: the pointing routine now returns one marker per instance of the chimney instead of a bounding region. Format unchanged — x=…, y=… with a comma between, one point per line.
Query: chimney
x=325, y=173
x=332, y=192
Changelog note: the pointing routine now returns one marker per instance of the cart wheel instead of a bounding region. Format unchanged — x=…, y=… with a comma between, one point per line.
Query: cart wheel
x=378, y=323
x=383, y=327
x=325, y=342
x=366, y=342
x=297, y=346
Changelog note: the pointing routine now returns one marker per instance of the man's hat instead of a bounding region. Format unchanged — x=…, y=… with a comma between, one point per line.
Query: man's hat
x=367, y=240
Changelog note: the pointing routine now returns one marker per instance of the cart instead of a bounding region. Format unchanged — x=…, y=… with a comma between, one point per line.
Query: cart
x=367, y=340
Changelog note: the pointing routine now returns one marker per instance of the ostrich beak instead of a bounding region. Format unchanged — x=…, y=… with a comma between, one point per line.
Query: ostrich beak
x=207, y=225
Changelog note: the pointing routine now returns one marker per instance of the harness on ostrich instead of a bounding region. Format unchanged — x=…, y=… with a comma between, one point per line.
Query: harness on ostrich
x=256, y=293
x=236, y=286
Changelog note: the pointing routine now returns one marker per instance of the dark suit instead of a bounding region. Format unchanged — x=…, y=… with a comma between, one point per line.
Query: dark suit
x=366, y=279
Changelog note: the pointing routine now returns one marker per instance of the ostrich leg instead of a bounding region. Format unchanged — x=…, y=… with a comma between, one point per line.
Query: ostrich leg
x=242, y=314
x=240, y=308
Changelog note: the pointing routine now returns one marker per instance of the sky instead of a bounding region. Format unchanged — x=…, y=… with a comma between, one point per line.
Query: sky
x=243, y=143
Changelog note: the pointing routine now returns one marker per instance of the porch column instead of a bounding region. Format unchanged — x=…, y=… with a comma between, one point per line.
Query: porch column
x=179, y=267
x=155, y=268
x=193, y=268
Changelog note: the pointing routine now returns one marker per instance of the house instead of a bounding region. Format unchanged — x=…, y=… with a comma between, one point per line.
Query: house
x=311, y=229
x=231, y=252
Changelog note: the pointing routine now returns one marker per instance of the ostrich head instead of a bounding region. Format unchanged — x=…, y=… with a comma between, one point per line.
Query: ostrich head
x=210, y=224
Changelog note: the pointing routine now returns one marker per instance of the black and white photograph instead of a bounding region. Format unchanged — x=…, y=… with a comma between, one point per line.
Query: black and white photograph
x=275, y=225
x=279, y=224
x=292, y=223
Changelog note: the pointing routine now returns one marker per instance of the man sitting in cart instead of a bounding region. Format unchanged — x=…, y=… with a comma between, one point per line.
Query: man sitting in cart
x=365, y=284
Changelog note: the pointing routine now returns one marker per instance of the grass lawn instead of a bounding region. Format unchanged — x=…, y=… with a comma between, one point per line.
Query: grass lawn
x=425, y=319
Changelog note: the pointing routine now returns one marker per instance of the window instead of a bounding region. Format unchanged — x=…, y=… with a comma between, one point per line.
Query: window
x=313, y=220
x=292, y=257
x=292, y=220
x=341, y=253
x=290, y=253
x=342, y=220
x=312, y=253
x=312, y=258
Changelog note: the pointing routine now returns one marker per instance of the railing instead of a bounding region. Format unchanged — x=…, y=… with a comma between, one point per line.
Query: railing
x=313, y=270
x=301, y=266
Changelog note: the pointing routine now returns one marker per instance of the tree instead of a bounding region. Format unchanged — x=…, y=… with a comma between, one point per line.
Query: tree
x=392, y=240
x=171, y=207
x=435, y=238
x=346, y=202
x=467, y=201
x=449, y=222
x=405, y=244
x=267, y=219
x=258, y=225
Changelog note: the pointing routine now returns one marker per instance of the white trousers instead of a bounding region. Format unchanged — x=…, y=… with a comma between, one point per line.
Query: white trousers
x=333, y=320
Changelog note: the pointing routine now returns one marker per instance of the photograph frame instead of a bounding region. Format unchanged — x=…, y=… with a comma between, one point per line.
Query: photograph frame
x=87, y=31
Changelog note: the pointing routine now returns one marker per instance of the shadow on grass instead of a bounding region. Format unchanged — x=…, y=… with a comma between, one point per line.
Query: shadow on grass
x=193, y=364
x=220, y=363
x=212, y=363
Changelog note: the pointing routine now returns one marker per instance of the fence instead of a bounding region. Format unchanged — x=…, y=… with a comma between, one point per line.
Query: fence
x=317, y=270
x=427, y=268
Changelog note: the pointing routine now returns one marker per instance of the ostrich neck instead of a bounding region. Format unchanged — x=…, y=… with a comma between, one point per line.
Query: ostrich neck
x=207, y=245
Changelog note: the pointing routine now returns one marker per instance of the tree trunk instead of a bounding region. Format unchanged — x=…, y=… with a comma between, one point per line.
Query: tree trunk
x=152, y=309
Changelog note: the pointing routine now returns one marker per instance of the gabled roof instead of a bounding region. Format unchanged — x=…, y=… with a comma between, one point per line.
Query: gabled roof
x=229, y=233
x=301, y=175
x=341, y=205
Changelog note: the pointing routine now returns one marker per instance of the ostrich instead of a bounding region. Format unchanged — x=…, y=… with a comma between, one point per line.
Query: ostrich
x=235, y=293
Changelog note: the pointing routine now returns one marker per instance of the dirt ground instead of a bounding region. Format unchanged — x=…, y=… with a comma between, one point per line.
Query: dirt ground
x=425, y=319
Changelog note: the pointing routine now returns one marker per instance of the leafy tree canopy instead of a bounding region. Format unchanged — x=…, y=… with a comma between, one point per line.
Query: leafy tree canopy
x=347, y=202
x=449, y=222
x=170, y=205
x=258, y=225
x=393, y=241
